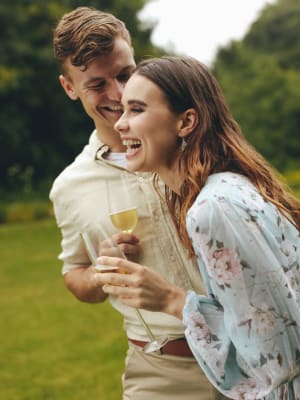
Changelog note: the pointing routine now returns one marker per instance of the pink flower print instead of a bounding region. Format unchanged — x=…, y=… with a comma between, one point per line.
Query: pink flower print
x=261, y=319
x=225, y=267
x=246, y=389
x=265, y=322
x=204, y=243
x=273, y=366
x=198, y=327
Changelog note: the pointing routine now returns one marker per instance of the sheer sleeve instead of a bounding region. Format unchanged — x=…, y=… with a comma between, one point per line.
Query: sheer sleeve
x=245, y=333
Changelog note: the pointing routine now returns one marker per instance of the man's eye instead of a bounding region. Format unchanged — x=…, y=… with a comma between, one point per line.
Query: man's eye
x=99, y=86
x=123, y=77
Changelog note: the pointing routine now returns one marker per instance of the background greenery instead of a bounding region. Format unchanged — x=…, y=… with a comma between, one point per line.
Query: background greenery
x=260, y=76
x=52, y=346
x=41, y=130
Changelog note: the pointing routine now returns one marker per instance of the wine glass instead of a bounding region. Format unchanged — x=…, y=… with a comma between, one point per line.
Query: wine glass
x=124, y=216
x=122, y=208
x=154, y=343
x=91, y=252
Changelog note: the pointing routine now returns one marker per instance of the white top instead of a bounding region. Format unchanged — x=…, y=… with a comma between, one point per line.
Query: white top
x=117, y=158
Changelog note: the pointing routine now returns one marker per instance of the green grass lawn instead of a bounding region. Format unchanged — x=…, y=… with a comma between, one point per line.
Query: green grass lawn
x=51, y=345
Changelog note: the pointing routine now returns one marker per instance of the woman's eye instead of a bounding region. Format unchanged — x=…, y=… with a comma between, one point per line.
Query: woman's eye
x=137, y=110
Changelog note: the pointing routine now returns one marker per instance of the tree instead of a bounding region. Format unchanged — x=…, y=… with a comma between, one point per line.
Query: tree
x=41, y=129
x=260, y=78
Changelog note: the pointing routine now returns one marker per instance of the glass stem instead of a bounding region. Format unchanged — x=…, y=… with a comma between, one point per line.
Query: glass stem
x=145, y=325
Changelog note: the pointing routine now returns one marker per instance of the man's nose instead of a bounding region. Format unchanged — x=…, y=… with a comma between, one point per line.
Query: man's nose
x=115, y=90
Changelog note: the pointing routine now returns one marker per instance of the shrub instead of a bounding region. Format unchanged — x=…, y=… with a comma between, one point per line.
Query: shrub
x=25, y=211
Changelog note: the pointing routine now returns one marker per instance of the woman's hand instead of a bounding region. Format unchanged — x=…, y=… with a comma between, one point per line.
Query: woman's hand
x=140, y=287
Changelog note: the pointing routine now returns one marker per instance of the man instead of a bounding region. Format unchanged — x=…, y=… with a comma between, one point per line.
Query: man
x=95, y=56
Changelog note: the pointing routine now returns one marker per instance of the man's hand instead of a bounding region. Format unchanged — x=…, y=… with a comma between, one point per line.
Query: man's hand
x=127, y=243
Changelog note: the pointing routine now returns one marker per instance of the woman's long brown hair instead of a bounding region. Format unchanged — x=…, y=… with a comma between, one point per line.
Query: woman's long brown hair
x=217, y=143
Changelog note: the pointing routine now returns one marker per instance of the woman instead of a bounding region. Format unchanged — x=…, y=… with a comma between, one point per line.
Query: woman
x=233, y=214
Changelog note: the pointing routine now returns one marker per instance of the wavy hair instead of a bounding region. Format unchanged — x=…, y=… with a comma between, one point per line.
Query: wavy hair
x=85, y=33
x=216, y=144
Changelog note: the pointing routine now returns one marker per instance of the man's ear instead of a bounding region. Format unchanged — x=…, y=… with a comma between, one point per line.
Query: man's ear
x=68, y=87
x=188, y=122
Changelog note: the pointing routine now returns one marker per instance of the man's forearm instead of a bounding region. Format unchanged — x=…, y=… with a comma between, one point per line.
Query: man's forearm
x=82, y=283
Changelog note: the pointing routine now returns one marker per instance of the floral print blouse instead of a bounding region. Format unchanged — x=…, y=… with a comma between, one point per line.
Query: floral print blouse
x=245, y=333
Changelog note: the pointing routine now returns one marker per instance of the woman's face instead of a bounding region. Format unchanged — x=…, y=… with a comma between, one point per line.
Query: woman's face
x=148, y=128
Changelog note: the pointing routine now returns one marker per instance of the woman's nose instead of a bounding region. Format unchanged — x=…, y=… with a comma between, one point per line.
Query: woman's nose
x=121, y=125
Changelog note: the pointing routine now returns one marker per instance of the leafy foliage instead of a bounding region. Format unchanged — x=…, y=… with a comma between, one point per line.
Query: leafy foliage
x=41, y=129
x=261, y=80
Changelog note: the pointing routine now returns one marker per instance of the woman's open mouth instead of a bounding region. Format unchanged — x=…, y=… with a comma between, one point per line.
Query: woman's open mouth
x=132, y=145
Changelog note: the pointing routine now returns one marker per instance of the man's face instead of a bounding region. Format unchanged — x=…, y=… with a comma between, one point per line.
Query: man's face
x=100, y=87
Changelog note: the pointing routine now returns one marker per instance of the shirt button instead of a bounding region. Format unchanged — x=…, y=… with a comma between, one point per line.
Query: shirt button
x=155, y=216
x=172, y=258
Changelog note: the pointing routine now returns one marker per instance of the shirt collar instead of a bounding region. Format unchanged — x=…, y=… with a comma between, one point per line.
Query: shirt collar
x=97, y=147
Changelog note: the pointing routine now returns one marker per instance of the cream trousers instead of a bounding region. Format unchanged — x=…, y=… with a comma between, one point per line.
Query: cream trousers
x=164, y=377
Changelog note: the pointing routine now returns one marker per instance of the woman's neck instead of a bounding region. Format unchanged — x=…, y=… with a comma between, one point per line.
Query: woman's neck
x=172, y=177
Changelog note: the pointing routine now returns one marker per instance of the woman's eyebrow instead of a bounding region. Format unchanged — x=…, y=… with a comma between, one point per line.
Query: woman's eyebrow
x=139, y=102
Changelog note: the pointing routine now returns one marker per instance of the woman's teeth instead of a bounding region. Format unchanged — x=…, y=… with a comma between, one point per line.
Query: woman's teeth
x=131, y=145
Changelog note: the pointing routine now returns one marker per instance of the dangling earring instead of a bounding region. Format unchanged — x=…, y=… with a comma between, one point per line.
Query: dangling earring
x=183, y=144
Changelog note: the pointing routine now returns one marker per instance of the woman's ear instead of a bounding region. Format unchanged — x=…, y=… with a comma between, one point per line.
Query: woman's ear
x=188, y=122
x=68, y=87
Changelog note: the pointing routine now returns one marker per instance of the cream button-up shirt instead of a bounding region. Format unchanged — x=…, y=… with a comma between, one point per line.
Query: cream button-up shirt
x=81, y=205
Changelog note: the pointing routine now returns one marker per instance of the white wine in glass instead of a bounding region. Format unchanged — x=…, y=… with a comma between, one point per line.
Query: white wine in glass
x=122, y=207
x=125, y=220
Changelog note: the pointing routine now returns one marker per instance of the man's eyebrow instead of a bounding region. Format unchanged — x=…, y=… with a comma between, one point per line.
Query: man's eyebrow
x=128, y=68
x=93, y=80
x=96, y=79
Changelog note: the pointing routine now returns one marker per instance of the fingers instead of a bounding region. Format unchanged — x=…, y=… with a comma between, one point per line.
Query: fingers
x=122, y=237
x=126, y=294
x=115, y=283
x=119, y=245
x=123, y=264
x=127, y=242
x=130, y=249
x=119, y=250
x=110, y=251
x=108, y=277
x=107, y=243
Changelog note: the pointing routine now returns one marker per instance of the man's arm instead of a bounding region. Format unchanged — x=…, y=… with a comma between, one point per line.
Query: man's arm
x=85, y=284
